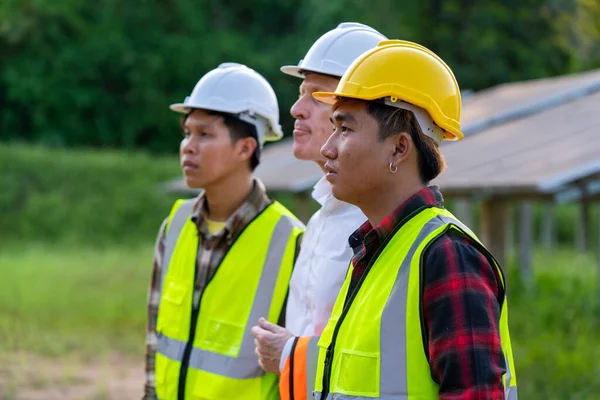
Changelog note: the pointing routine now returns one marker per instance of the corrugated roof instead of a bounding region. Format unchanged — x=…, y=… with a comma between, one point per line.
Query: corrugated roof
x=518, y=99
x=540, y=153
x=523, y=138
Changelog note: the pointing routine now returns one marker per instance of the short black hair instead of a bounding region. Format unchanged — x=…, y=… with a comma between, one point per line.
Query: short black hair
x=238, y=129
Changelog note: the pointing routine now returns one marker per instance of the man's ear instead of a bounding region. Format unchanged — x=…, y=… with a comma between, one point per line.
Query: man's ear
x=245, y=148
x=402, y=148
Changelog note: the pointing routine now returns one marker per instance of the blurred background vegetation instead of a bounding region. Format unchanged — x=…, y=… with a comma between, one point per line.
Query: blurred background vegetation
x=87, y=140
x=81, y=73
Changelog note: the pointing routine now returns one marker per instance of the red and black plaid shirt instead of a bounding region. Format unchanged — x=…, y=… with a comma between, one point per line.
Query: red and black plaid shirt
x=461, y=304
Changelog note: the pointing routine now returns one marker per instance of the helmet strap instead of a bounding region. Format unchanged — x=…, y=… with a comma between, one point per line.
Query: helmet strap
x=261, y=125
x=428, y=127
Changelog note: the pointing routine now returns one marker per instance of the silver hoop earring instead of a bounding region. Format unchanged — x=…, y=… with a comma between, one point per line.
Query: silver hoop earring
x=393, y=169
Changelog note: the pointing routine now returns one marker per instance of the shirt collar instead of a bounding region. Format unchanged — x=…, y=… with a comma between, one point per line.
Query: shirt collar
x=426, y=197
x=256, y=201
x=322, y=191
x=322, y=195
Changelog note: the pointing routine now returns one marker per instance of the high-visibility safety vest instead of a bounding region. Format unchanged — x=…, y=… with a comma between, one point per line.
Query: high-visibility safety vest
x=373, y=346
x=208, y=352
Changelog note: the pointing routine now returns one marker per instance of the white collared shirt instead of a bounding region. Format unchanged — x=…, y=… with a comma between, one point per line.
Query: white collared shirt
x=322, y=264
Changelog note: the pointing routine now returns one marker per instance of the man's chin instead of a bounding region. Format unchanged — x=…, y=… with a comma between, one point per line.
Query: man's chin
x=300, y=152
x=194, y=184
x=338, y=193
x=306, y=153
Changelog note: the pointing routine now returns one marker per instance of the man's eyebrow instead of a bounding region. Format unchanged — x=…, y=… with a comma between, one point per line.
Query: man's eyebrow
x=200, y=125
x=341, y=117
x=309, y=87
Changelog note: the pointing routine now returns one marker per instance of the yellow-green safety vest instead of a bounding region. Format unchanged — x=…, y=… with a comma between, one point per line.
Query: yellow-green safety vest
x=373, y=346
x=208, y=353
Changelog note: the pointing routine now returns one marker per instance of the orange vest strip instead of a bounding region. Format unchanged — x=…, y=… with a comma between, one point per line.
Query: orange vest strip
x=297, y=380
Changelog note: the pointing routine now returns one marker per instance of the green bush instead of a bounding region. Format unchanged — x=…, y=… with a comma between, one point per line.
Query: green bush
x=93, y=197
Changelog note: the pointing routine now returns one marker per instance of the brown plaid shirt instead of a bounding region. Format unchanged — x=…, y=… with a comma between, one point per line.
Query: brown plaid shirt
x=211, y=251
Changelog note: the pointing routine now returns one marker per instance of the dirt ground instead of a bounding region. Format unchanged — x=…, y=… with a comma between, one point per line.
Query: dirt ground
x=30, y=377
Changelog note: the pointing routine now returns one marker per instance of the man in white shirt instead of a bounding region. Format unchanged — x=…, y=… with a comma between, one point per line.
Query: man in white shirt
x=325, y=253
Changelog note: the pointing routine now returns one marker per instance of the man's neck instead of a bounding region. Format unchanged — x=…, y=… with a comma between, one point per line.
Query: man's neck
x=225, y=197
x=378, y=206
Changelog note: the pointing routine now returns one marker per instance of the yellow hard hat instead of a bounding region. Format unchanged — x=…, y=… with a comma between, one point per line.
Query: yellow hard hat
x=401, y=71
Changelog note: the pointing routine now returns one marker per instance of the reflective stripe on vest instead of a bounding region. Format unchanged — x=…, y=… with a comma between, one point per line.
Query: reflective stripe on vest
x=173, y=230
x=251, y=282
x=312, y=357
x=207, y=360
x=389, y=366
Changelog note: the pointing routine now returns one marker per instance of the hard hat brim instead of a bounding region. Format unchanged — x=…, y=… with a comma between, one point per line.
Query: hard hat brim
x=292, y=70
x=180, y=108
x=298, y=72
x=332, y=98
x=273, y=135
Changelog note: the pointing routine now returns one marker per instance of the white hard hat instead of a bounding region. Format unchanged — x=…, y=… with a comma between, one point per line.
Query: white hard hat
x=333, y=52
x=236, y=89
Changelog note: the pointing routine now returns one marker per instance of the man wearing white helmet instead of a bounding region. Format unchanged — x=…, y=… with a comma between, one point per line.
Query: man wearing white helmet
x=325, y=254
x=225, y=258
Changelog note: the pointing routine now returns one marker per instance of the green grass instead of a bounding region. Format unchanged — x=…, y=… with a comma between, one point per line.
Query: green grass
x=58, y=301
x=88, y=302
x=554, y=327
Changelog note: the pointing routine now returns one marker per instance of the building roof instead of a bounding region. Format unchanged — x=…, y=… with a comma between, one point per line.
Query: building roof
x=545, y=145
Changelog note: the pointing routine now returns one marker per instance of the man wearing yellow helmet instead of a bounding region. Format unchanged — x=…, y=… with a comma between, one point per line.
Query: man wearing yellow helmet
x=422, y=313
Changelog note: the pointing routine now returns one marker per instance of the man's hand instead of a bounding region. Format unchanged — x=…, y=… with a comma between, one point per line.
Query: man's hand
x=270, y=339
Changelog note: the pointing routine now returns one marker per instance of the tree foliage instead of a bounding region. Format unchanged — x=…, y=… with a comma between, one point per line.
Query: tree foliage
x=102, y=74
